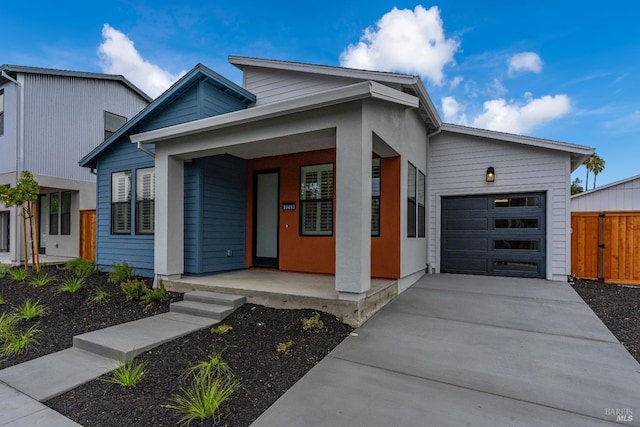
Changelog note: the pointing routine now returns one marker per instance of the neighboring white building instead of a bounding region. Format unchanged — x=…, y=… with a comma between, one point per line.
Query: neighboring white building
x=49, y=119
x=623, y=195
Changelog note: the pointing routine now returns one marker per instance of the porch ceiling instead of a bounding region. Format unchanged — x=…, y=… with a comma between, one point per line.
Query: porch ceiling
x=295, y=143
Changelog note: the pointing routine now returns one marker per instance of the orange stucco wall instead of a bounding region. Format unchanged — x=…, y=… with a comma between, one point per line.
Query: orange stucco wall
x=316, y=254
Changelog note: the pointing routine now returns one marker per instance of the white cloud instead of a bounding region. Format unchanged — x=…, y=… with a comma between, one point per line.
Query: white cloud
x=452, y=111
x=525, y=61
x=520, y=118
x=404, y=41
x=118, y=55
x=455, y=82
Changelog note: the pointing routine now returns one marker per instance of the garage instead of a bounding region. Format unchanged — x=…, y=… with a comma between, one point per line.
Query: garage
x=496, y=235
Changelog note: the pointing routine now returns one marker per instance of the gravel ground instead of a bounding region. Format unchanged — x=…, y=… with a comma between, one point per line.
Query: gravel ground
x=618, y=306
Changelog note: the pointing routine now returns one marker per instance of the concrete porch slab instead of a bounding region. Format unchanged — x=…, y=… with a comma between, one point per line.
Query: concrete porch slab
x=19, y=410
x=278, y=289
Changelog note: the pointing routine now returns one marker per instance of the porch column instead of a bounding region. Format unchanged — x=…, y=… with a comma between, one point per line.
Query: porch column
x=169, y=211
x=353, y=211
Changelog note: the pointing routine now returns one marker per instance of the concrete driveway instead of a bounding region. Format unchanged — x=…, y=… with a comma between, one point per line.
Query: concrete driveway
x=457, y=350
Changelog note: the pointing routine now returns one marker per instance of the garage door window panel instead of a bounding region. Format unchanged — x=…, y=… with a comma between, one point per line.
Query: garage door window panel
x=516, y=223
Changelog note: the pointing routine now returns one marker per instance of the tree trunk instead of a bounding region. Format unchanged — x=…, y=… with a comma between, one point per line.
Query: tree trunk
x=36, y=254
x=24, y=240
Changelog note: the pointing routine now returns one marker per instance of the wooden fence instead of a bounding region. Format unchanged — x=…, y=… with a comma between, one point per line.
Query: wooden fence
x=88, y=234
x=606, y=246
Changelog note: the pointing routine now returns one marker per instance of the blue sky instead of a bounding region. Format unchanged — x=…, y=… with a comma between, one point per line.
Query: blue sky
x=541, y=69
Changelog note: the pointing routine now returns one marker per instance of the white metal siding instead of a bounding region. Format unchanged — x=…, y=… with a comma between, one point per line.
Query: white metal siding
x=621, y=197
x=278, y=85
x=458, y=165
x=64, y=120
x=9, y=139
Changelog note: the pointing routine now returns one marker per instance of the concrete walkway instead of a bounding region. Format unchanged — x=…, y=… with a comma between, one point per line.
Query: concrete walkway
x=24, y=386
x=459, y=350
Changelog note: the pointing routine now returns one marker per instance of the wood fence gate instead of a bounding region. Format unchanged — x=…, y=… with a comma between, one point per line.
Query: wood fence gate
x=606, y=246
x=88, y=234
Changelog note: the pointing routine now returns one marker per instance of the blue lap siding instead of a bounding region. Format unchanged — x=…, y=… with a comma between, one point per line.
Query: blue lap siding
x=215, y=187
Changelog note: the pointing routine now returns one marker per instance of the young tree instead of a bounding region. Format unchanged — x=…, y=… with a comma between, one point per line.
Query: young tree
x=24, y=195
x=576, y=187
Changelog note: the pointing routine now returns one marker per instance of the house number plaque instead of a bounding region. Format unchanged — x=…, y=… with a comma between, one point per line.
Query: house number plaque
x=289, y=206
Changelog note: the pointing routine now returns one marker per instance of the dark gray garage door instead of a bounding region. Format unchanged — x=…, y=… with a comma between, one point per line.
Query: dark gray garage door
x=497, y=235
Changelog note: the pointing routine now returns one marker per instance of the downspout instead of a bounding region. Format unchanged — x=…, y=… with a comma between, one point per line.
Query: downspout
x=19, y=153
x=145, y=149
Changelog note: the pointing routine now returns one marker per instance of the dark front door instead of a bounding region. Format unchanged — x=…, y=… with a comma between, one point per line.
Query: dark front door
x=498, y=235
x=265, y=218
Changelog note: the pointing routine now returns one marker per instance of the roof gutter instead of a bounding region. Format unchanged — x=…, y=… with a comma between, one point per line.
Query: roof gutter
x=145, y=149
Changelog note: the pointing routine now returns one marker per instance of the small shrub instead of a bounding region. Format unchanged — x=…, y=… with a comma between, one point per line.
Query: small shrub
x=43, y=279
x=158, y=294
x=312, y=322
x=214, y=365
x=7, y=325
x=284, y=347
x=222, y=328
x=203, y=398
x=72, y=284
x=120, y=273
x=18, y=342
x=134, y=289
x=18, y=274
x=81, y=267
x=30, y=310
x=4, y=269
x=1, y=300
x=98, y=297
x=128, y=374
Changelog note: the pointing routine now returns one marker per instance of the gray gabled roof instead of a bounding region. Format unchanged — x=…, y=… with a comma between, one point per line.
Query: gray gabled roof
x=410, y=84
x=604, y=187
x=13, y=69
x=199, y=71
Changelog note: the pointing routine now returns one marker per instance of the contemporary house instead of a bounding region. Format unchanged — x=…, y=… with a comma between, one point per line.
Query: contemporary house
x=48, y=120
x=605, y=239
x=327, y=170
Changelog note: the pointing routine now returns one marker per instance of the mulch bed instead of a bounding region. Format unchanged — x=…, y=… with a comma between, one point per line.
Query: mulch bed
x=618, y=306
x=250, y=349
x=71, y=314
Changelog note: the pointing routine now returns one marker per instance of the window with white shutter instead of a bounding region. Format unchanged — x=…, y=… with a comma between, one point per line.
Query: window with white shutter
x=121, y=202
x=316, y=200
x=145, y=200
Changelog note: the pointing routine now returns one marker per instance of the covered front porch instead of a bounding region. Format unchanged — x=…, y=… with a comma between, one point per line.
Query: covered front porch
x=279, y=289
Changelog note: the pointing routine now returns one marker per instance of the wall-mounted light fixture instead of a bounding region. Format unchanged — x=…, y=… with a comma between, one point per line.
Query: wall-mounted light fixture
x=491, y=174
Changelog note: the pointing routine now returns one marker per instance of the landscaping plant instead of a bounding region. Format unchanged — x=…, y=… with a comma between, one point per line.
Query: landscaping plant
x=213, y=365
x=16, y=342
x=312, y=322
x=4, y=269
x=222, y=328
x=127, y=374
x=120, y=273
x=98, y=296
x=134, y=289
x=80, y=267
x=43, y=279
x=158, y=294
x=18, y=275
x=284, y=347
x=72, y=284
x=30, y=310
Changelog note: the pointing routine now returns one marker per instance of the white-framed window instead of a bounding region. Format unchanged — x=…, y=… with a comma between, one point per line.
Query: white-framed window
x=416, y=198
x=316, y=200
x=121, y=202
x=145, y=200
x=375, y=197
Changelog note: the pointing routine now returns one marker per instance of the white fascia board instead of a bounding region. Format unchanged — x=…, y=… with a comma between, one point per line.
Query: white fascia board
x=341, y=95
x=580, y=150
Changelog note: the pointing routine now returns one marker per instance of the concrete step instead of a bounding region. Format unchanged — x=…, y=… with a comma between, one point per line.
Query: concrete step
x=121, y=342
x=202, y=309
x=218, y=298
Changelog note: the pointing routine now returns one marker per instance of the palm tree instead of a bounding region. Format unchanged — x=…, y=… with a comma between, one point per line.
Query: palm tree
x=597, y=167
x=589, y=165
